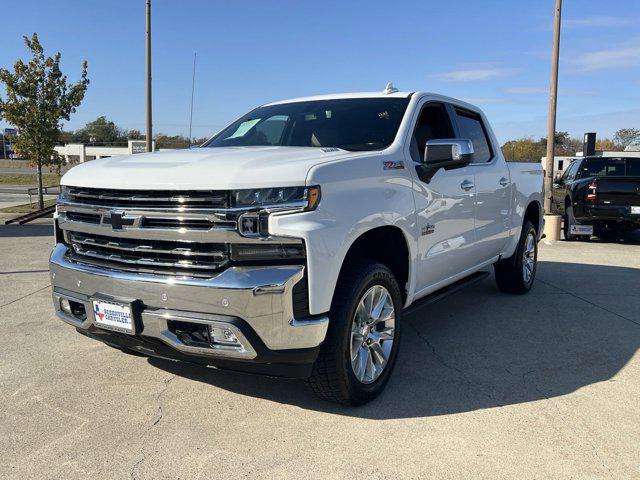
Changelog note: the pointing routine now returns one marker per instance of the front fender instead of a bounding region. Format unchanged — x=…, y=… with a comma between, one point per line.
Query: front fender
x=352, y=203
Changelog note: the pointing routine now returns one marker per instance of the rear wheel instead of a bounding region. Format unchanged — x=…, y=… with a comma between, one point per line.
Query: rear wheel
x=517, y=273
x=567, y=221
x=359, y=353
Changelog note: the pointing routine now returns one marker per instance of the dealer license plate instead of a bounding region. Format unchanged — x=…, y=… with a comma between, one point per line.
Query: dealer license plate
x=582, y=229
x=113, y=316
x=635, y=210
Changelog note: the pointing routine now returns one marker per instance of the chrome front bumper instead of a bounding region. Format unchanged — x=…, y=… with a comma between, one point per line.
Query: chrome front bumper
x=261, y=297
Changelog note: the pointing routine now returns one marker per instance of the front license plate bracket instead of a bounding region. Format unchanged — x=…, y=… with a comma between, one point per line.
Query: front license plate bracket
x=118, y=315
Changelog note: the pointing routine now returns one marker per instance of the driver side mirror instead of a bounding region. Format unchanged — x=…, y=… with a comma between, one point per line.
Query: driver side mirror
x=448, y=153
x=557, y=178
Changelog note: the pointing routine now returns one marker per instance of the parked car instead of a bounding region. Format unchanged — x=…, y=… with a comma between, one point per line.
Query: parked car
x=291, y=242
x=599, y=196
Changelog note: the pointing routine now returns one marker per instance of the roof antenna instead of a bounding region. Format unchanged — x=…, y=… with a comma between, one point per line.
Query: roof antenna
x=389, y=89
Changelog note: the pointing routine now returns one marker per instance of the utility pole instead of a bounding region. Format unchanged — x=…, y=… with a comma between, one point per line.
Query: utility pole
x=553, y=101
x=149, y=122
x=193, y=86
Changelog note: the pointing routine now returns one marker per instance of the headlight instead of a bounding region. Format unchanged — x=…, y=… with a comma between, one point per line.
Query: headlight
x=255, y=223
x=305, y=198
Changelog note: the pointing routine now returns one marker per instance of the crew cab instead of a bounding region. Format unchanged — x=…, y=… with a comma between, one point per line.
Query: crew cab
x=292, y=241
x=599, y=196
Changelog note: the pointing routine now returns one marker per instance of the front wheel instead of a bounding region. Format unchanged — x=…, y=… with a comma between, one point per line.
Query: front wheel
x=517, y=273
x=360, y=350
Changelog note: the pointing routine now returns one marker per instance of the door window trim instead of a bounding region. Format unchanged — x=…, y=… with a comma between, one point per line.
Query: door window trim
x=414, y=121
x=458, y=133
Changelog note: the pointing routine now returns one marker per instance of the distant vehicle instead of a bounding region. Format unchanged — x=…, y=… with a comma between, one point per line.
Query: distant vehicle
x=292, y=241
x=599, y=196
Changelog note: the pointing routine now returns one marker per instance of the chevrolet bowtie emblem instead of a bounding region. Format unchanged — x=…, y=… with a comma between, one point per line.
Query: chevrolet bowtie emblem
x=117, y=220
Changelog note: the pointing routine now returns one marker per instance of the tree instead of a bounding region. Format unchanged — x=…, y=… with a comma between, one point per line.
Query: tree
x=171, y=141
x=627, y=136
x=38, y=99
x=100, y=130
x=135, y=135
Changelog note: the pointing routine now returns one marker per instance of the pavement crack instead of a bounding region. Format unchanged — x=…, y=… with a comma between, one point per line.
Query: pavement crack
x=25, y=296
x=159, y=416
x=132, y=472
x=470, y=383
x=591, y=303
x=159, y=400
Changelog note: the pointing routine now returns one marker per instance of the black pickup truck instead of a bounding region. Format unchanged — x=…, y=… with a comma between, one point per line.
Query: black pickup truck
x=599, y=196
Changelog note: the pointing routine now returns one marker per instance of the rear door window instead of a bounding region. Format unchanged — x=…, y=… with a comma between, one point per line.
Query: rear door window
x=470, y=126
x=603, y=167
x=633, y=167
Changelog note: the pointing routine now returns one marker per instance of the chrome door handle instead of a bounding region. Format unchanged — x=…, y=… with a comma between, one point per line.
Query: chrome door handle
x=504, y=182
x=467, y=185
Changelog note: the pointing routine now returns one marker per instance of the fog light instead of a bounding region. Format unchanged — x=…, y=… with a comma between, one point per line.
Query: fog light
x=65, y=306
x=223, y=336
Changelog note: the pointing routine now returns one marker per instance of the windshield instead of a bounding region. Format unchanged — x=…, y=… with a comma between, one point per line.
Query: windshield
x=610, y=167
x=350, y=124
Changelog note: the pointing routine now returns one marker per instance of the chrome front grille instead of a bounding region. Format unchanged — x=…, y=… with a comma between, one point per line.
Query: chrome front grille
x=149, y=199
x=160, y=257
x=188, y=233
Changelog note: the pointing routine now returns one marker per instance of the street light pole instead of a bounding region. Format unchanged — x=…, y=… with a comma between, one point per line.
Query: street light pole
x=149, y=122
x=193, y=87
x=553, y=101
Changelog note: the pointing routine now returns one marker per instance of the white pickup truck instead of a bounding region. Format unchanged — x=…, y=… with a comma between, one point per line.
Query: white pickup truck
x=291, y=243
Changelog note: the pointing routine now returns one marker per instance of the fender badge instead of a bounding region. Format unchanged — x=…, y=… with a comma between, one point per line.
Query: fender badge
x=393, y=165
x=428, y=229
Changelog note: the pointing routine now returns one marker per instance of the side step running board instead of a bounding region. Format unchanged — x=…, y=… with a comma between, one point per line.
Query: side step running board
x=446, y=291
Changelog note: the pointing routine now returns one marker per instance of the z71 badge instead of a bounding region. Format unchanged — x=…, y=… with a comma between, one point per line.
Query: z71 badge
x=391, y=165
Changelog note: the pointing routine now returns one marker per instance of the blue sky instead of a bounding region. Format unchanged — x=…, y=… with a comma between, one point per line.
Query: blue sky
x=495, y=54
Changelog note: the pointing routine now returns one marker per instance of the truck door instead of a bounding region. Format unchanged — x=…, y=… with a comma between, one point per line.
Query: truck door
x=493, y=185
x=561, y=188
x=444, y=205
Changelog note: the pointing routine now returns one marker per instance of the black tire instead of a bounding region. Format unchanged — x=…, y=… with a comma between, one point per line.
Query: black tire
x=333, y=378
x=567, y=221
x=509, y=271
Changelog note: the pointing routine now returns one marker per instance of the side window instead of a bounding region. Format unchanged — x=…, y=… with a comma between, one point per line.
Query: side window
x=570, y=173
x=432, y=123
x=471, y=127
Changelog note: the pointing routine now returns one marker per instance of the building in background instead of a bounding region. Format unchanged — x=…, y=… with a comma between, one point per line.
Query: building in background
x=80, y=152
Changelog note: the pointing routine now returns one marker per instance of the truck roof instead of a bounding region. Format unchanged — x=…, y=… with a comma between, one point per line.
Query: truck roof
x=335, y=96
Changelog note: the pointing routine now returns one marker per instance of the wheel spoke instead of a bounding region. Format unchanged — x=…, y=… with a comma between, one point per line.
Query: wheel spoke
x=378, y=355
x=371, y=373
x=363, y=363
x=382, y=335
x=356, y=342
x=379, y=305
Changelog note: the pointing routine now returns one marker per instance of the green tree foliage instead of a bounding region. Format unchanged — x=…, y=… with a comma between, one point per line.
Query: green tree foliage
x=627, y=136
x=38, y=98
x=135, y=135
x=530, y=150
x=171, y=141
x=100, y=130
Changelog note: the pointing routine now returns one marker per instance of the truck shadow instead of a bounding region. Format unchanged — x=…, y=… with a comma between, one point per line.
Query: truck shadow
x=481, y=349
x=33, y=230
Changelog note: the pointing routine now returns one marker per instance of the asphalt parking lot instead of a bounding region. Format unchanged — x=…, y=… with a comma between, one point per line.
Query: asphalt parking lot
x=488, y=385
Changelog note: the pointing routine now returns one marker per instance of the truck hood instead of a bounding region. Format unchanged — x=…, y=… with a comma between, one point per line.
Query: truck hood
x=204, y=168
